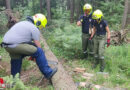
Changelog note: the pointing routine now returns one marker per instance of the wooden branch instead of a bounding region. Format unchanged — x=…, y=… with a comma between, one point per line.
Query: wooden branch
x=125, y=14
x=2, y=67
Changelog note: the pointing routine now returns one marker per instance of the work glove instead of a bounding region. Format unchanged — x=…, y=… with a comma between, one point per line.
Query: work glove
x=2, y=83
x=108, y=42
x=31, y=59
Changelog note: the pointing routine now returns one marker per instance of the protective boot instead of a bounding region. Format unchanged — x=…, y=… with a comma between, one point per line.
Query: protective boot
x=85, y=55
x=15, y=66
x=96, y=62
x=102, y=65
x=43, y=64
x=91, y=56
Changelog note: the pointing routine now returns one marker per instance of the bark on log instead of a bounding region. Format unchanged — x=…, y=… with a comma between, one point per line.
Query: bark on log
x=61, y=80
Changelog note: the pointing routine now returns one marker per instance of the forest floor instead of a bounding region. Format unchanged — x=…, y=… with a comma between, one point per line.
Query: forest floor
x=32, y=76
x=82, y=76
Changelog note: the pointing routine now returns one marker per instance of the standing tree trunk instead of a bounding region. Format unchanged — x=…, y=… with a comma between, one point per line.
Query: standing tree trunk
x=128, y=16
x=11, y=18
x=72, y=11
x=68, y=4
x=41, y=8
x=125, y=14
x=48, y=10
x=78, y=11
x=22, y=1
x=26, y=2
x=8, y=4
x=33, y=2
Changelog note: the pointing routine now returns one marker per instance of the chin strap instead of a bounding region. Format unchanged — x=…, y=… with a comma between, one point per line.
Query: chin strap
x=29, y=18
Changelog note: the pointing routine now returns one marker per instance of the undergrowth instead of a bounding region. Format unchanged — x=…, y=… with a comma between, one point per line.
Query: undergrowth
x=64, y=40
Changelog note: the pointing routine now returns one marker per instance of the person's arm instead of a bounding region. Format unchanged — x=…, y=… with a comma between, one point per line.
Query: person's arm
x=80, y=20
x=79, y=23
x=108, y=32
x=93, y=32
x=37, y=43
x=108, y=36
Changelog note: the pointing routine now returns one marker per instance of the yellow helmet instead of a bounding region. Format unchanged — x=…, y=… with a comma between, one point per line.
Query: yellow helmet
x=87, y=7
x=40, y=20
x=97, y=14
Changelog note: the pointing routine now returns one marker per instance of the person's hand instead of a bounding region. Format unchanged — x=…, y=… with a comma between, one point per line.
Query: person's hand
x=31, y=59
x=90, y=38
x=108, y=42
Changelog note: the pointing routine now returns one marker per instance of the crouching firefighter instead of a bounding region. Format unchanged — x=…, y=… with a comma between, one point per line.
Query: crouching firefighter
x=23, y=40
x=100, y=27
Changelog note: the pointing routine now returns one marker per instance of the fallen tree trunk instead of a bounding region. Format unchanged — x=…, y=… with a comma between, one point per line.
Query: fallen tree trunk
x=61, y=80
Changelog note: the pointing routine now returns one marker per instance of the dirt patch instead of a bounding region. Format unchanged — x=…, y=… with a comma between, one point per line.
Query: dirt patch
x=32, y=76
x=5, y=66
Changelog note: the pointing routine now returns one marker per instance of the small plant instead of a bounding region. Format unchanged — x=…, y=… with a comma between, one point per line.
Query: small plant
x=14, y=83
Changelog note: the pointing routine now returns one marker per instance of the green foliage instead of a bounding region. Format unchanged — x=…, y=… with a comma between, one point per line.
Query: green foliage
x=24, y=11
x=118, y=59
x=2, y=72
x=65, y=40
x=26, y=64
x=99, y=79
x=3, y=22
x=118, y=79
x=113, y=12
x=14, y=83
x=65, y=37
x=3, y=52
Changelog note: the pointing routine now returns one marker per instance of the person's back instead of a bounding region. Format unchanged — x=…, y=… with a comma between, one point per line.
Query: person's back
x=23, y=39
x=21, y=32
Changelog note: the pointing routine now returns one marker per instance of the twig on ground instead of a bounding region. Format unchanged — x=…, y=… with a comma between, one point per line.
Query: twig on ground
x=1, y=67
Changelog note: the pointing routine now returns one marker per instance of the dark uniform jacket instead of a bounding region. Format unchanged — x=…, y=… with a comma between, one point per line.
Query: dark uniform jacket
x=86, y=23
x=100, y=27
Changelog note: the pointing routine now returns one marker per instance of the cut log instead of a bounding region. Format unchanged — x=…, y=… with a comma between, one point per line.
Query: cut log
x=61, y=80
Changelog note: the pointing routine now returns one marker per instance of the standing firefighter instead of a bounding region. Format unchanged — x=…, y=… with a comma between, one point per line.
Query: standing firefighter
x=100, y=27
x=86, y=22
x=23, y=40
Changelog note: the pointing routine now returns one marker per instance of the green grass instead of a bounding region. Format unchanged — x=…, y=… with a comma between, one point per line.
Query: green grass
x=65, y=38
x=65, y=42
x=3, y=53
